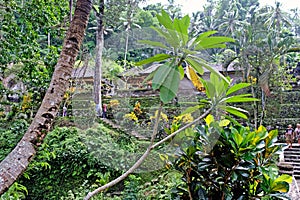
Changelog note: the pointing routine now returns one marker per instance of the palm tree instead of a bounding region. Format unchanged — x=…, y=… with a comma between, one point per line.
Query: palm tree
x=18, y=160
x=261, y=45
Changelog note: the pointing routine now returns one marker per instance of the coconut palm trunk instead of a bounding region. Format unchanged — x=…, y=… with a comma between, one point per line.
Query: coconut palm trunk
x=17, y=161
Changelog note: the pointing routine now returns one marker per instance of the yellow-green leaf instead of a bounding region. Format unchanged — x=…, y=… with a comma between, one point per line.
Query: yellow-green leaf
x=209, y=119
x=284, y=178
x=224, y=122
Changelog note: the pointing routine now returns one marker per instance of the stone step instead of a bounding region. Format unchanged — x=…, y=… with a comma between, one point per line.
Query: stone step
x=296, y=173
x=292, y=152
x=292, y=156
x=293, y=149
x=294, y=161
x=296, y=167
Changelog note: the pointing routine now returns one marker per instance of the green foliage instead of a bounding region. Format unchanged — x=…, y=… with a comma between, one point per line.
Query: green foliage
x=15, y=192
x=11, y=133
x=31, y=36
x=131, y=187
x=80, y=160
x=184, y=49
x=62, y=158
x=221, y=95
x=167, y=185
x=241, y=164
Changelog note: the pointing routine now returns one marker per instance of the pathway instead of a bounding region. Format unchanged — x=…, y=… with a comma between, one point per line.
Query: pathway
x=292, y=159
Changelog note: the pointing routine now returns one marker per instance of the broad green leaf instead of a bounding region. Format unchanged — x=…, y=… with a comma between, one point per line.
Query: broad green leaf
x=174, y=39
x=191, y=109
x=238, y=139
x=154, y=43
x=165, y=20
x=237, y=87
x=249, y=137
x=218, y=84
x=235, y=111
x=209, y=68
x=170, y=36
x=156, y=58
x=181, y=72
x=209, y=88
x=160, y=32
x=196, y=65
x=210, y=42
x=204, y=35
x=280, y=187
x=185, y=23
x=181, y=26
x=188, y=51
x=237, y=99
x=214, y=46
x=224, y=122
x=170, y=85
x=166, y=95
x=209, y=119
x=240, y=96
x=214, y=79
x=284, y=178
x=160, y=76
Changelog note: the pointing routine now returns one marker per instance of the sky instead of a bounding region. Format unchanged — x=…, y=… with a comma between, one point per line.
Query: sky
x=189, y=6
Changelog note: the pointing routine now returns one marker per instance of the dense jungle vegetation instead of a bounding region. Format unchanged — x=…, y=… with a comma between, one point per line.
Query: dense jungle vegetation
x=211, y=146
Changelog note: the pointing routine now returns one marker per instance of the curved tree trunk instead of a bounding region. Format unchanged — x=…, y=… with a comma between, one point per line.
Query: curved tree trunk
x=17, y=161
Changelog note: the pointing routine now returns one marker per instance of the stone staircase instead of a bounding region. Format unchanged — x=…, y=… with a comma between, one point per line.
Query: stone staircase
x=291, y=166
x=292, y=156
x=282, y=109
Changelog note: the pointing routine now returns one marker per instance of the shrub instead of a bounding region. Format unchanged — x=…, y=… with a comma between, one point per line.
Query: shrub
x=241, y=164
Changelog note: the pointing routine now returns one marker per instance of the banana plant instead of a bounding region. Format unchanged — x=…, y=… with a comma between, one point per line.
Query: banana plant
x=181, y=47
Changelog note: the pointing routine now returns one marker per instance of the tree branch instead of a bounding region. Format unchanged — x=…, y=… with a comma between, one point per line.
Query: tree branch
x=145, y=155
x=134, y=167
x=182, y=128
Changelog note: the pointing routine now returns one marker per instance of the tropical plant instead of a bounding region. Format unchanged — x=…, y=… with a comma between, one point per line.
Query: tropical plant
x=223, y=97
x=166, y=78
x=238, y=164
x=182, y=48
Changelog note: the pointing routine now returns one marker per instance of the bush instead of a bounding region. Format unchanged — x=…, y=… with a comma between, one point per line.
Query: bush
x=241, y=164
x=64, y=166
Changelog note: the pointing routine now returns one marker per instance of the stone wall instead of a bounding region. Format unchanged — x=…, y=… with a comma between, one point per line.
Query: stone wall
x=283, y=109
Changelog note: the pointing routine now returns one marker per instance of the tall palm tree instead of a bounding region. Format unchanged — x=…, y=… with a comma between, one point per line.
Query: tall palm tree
x=18, y=160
